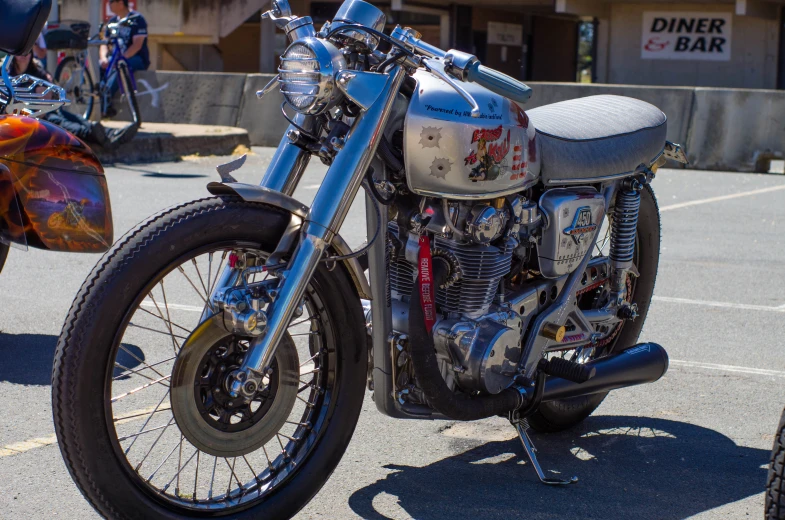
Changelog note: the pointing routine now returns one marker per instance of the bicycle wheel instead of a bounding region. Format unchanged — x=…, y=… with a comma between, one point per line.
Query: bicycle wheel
x=77, y=81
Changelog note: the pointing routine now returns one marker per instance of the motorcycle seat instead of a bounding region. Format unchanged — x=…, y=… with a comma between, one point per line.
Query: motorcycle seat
x=596, y=137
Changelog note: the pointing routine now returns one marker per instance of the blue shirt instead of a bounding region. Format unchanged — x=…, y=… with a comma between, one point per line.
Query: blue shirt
x=133, y=27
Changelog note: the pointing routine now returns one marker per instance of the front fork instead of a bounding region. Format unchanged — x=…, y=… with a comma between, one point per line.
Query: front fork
x=324, y=219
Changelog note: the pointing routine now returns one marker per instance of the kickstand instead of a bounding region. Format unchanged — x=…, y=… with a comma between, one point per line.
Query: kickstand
x=521, y=426
x=518, y=420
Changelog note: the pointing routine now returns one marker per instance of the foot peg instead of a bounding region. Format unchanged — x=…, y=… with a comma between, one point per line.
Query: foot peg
x=521, y=425
x=569, y=370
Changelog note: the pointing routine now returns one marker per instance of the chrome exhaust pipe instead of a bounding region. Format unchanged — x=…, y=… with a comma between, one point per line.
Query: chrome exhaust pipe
x=642, y=363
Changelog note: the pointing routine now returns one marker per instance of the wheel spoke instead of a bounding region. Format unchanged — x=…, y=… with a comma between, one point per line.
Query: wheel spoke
x=196, y=475
x=167, y=322
x=148, y=385
x=180, y=268
x=134, y=435
x=148, y=419
x=137, y=370
x=139, y=465
x=166, y=459
x=212, y=479
x=160, y=332
x=175, y=344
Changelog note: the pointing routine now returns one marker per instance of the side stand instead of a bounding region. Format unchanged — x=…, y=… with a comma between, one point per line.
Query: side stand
x=518, y=420
x=521, y=425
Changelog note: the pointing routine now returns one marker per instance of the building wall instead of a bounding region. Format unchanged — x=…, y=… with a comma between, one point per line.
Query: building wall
x=753, y=62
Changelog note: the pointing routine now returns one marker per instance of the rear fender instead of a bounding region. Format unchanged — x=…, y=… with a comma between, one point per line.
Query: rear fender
x=53, y=193
x=299, y=211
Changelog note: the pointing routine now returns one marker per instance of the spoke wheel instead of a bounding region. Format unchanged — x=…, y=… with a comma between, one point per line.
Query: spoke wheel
x=78, y=84
x=193, y=444
x=170, y=438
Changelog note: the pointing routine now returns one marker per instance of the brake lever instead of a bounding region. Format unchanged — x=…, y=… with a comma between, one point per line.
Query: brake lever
x=439, y=73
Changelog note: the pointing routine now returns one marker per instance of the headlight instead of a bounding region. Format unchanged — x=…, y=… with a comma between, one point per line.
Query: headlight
x=307, y=75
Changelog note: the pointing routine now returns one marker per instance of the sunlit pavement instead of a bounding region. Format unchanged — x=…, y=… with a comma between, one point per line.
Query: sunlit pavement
x=695, y=444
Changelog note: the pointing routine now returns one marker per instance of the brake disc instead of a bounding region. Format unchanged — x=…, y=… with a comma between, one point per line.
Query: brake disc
x=203, y=410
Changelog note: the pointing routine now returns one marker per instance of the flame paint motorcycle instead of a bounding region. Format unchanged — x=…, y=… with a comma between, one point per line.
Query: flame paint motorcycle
x=215, y=361
x=53, y=193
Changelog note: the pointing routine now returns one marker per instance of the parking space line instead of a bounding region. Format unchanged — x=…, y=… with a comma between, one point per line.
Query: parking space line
x=18, y=448
x=176, y=306
x=728, y=368
x=721, y=198
x=725, y=305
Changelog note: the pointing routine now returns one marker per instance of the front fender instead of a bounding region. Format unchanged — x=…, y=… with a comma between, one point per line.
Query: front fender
x=254, y=193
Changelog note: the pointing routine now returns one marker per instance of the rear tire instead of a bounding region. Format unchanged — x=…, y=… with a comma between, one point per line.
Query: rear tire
x=87, y=427
x=554, y=416
x=775, y=483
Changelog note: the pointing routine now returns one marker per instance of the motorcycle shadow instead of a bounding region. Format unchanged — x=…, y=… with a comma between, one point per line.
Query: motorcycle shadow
x=26, y=359
x=629, y=467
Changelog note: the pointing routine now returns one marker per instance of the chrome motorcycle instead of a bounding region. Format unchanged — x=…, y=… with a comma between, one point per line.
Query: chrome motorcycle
x=214, y=362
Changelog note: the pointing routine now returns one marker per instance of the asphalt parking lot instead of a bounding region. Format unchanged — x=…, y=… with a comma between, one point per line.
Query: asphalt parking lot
x=693, y=445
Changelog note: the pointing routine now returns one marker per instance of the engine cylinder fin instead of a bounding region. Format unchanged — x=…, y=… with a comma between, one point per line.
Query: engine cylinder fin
x=482, y=268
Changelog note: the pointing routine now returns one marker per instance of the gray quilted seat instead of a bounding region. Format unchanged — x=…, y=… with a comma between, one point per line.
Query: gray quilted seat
x=597, y=136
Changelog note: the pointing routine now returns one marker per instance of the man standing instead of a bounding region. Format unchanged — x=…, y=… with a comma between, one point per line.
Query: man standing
x=133, y=45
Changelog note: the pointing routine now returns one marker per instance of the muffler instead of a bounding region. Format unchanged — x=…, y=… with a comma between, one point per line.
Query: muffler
x=642, y=363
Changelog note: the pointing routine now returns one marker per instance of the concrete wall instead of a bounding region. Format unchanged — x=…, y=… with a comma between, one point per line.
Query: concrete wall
x=722, y=129
x=753, y=62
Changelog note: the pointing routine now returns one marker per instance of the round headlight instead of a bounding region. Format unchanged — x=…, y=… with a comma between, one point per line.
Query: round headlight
x=307, y=75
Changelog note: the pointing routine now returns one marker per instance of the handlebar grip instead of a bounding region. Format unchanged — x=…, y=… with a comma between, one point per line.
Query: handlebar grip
x=498, y=83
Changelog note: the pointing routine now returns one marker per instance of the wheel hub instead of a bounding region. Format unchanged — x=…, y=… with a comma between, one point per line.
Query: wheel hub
x=207, y=415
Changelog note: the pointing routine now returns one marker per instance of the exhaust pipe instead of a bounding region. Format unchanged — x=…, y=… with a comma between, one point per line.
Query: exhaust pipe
x=643, y=363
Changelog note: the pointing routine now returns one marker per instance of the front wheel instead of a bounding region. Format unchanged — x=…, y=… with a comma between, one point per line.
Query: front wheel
x=143, y=419
x=77, y=81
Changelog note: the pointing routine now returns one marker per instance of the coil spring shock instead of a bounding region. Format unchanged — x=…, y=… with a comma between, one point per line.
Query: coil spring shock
x=623, y=233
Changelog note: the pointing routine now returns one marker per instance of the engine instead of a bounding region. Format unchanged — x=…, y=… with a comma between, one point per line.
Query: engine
x=478, y=333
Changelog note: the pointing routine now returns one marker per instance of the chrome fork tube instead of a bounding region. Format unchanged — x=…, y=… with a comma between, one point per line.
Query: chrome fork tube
x=289, y=162
x=325, y=217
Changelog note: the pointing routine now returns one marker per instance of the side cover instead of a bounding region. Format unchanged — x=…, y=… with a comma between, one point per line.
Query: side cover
x=451, y=154
x=53, y=192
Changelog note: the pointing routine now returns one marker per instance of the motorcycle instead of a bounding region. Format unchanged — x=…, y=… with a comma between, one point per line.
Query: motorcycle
x=215, y=361
x=775, y=482
x=53, y=193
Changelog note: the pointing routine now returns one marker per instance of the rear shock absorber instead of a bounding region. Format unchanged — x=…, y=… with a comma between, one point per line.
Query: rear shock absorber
x=623, y=235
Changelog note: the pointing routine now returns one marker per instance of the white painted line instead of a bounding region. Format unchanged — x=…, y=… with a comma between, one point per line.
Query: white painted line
x=728, y=368
x=724, y=305
x=721, y=198
x=177, y=306
x=18, y=448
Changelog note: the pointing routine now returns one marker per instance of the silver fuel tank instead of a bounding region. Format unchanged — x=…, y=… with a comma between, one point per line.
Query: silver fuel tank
x=448, y=153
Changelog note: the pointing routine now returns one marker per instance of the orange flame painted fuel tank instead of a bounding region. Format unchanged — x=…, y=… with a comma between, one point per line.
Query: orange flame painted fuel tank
x=53, y=192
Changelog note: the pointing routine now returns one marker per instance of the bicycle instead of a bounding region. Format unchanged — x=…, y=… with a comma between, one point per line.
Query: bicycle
x=73, y=72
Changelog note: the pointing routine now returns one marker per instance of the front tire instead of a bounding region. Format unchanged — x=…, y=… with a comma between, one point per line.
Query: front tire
x=92, y=428
x=554, y=416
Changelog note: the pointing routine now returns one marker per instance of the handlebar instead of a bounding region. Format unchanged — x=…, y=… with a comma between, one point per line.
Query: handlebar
x=498, y=83
x=470, y=67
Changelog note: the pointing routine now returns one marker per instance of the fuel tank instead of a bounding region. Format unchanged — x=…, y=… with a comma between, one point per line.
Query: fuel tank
x=53, y=192
x=448, y=153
